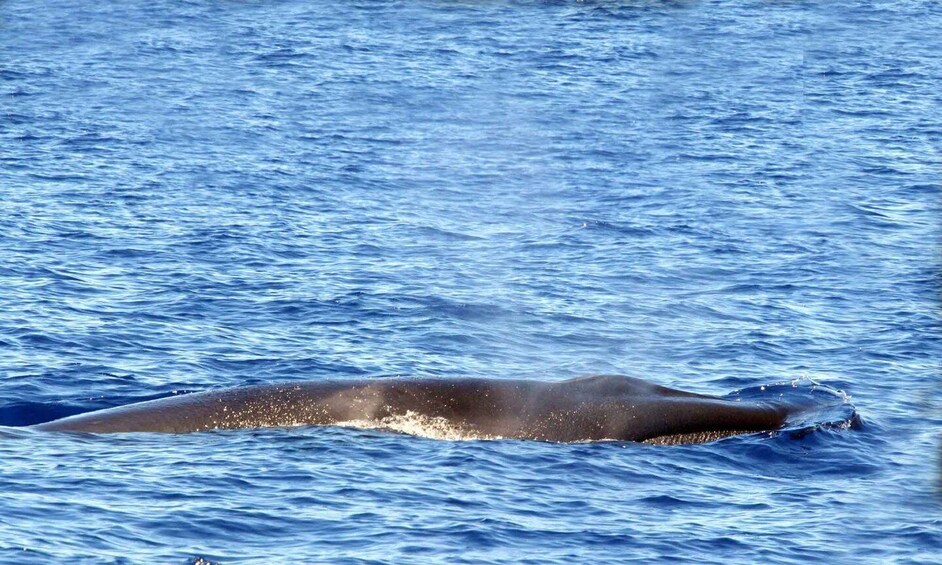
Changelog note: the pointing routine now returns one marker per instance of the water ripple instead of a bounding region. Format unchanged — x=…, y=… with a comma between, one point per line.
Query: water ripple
x=712, y=197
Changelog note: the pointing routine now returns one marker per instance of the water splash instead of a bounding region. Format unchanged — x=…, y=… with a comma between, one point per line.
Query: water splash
x=817, y=406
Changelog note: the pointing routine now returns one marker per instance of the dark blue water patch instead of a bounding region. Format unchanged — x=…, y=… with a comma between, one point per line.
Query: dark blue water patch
x=29, y=413
x=25, y=413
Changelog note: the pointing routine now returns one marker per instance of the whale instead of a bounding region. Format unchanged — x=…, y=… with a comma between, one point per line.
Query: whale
x=592, y=408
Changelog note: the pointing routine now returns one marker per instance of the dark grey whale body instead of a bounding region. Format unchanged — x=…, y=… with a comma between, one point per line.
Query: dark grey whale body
x=582, y=409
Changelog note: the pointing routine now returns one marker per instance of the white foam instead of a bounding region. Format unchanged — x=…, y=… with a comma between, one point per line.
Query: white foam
x=416, y=424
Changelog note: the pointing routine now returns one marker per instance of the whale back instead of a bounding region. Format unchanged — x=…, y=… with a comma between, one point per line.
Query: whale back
x=583, y=409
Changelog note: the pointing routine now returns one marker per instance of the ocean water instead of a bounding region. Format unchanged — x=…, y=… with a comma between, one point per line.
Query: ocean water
x=714, y=196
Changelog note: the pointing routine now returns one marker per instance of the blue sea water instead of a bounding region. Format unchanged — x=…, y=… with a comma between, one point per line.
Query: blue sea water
x=710, y=195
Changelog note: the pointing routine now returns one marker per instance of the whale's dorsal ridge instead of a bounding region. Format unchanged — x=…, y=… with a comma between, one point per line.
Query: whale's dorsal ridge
x=582, y=409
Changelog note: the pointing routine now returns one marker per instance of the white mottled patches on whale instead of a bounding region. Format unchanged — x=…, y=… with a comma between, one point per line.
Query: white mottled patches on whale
x=413, y=423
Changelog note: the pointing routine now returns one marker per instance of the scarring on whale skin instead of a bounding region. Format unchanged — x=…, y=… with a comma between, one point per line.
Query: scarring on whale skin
x=582, y=409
